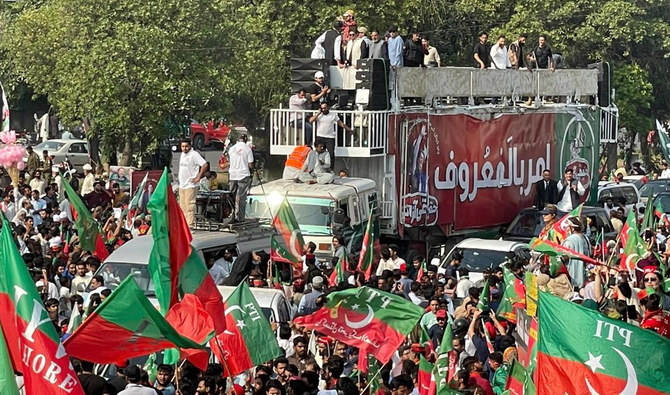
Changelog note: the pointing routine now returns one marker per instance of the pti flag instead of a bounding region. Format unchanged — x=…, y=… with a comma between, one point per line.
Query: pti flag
x=425, y=379
x=88, y=229
x=289, y=229
x=32, y=341
x=634, y=248
x=173, y=264
x=581, y=351
x=552, y=249
x=364, y=317
x=248, y=339
x=136, y=327
x=7, y=376
x=367, y=254
x=339, y=272
x=514, y=296
x=519, y=381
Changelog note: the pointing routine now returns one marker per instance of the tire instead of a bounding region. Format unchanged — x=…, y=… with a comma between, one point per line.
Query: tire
x=198, y=141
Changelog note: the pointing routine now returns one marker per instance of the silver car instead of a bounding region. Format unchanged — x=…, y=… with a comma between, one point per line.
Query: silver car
x=63, y=149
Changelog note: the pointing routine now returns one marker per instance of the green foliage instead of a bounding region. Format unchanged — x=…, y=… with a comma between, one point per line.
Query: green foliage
x=634, y=96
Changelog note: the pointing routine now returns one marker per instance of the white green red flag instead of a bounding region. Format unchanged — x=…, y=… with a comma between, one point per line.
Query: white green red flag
x=634, y=247
x=616, y=358
x=559, y=231
x=5, y=111
x=88, y=230
x=288, y=227
x=248, y=340
x=425, y=379
x=552, y=249
x=519, y=381
x=514, y=296
x=367, y=255
x=366, y=318
x=339, y=272
x=32, y=341
x=134, y=204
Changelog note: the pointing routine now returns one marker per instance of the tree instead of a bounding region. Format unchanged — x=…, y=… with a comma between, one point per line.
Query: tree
x=122, y=68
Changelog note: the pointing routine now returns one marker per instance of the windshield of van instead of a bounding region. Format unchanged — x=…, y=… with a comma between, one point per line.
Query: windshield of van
x=313, y=215
x=115, y=273
x=476, y=260
x=526, y=224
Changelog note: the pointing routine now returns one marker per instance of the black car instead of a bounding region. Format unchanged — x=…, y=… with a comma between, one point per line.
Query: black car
x=529, y=223
x=653, y=188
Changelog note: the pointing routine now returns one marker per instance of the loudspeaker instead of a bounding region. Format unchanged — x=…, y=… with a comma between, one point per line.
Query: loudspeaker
x=305, y=75
x=604, y=83
x=372, y=78
x=303, y=70
x=308, y=64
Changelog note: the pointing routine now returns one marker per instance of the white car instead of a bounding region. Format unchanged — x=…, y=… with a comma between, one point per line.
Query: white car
x=76, y=151
x=480, y=254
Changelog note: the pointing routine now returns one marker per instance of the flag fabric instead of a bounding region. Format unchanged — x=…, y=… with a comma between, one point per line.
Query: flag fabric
x=151, y=367
x=519, y=381
x=664, y=140
x=134, y=204
x=422, y=270
x=289, y=229
x=280, y=254
x=366, y=318
x=367, y=253
x=248, y=339
x=88, y=229
x=634, y=247
x=552, y=249
x=425, y=380
x=32, y=341
x=617, y=358
x=483, y=303
x=173, y=264
x=5, y=111
x=135, y=326
x=75, y=319
x=374, y=376
x=7, y=376
x=514, y=296
x=339, y=272
x=446, y=363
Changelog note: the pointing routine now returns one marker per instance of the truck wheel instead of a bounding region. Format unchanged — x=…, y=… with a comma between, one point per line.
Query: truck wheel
x=198, y=141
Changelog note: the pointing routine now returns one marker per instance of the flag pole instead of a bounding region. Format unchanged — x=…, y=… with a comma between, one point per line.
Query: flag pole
x=616, y=245
x=374, y=377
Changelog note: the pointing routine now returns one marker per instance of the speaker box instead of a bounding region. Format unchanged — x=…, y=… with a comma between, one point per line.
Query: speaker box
x=306, y=75
x=604, y=78
x=308, y=64
x=296, y=86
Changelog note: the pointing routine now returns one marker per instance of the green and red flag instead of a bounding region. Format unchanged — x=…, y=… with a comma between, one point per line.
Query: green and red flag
x=374, y=377
x=289, y=229
x=519, y=381
x=339, y=272
x=616, y=358
x=367, y=254
x=384, y=319
x=483, y=303
x=280, y=254
x=88, y=229
x=552, y=249
x=248, y=340
x=137, y=328
x=422, y=270
x=559, y=230
x=32, y=341
x=446, y=363
x=425, y=380
x=7, y=376
x=134, y=205
x=175, y=267
x=634, y=247
x=513, y=296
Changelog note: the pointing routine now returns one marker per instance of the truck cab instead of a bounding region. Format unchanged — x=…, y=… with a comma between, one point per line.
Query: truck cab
x=321, y=210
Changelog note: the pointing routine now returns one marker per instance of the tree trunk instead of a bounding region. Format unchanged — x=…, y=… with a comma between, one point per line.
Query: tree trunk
x=127, y=152
x=93, y=143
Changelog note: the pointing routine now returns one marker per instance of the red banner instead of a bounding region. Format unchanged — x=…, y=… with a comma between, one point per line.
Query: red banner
x=461, y=170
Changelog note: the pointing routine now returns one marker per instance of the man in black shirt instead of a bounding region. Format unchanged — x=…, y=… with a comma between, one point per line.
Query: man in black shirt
x=542, y=56
x=413, y=51
x=483, y=52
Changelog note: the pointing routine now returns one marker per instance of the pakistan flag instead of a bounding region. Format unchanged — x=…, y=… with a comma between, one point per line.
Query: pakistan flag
x=583, y=352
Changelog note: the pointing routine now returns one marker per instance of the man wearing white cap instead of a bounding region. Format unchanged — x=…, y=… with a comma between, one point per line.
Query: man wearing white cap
x=89, y=179
x=318, y=92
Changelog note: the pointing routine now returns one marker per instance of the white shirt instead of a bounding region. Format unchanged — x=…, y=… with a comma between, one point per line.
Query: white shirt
x=87, y=185
x=189, y=168
x=240, y=157
x=299, y=104
x=325, y=125
x=566, y=202
x=37, y=184
x=499, y=58
x=665, y=173
x=463, y=286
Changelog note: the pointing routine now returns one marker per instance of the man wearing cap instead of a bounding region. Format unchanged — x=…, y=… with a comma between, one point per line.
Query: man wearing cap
x=318, y=92
x=436, y=332
x=569, y=191
x=133, y=376
x=545, y=190
x=241, y=164
x=308, y=301
x=192, y=167
x=89, y=179
x=578, y=242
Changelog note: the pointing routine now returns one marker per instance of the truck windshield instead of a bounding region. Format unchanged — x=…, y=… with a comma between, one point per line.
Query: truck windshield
x=313, y=215
x=115, y=273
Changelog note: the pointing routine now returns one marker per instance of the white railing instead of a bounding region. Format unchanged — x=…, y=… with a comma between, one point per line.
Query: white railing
x=369, y=137
x=609, y=124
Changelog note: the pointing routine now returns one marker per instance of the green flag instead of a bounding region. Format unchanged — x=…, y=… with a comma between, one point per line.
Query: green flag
x=7, y=378
x=483, y=303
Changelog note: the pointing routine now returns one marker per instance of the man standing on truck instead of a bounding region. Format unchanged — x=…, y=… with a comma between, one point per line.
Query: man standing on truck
x=546, y=191
x=569, y=191
x=326, y=123
x=241, y=163
x=192, y=167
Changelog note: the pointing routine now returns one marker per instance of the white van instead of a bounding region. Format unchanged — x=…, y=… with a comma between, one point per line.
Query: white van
x=273, y=302
x=316, y=206
x=623, y=192
x=133, y=256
